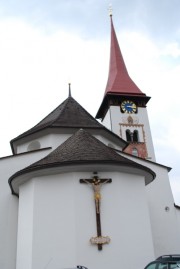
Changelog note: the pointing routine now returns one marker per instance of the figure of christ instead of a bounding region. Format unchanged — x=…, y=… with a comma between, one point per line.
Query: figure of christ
x=96, y=184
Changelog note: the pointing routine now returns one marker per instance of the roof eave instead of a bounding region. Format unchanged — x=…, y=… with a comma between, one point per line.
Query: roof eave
x=24, y=175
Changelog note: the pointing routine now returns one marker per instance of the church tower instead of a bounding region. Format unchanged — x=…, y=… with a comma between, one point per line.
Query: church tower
x=123, y=109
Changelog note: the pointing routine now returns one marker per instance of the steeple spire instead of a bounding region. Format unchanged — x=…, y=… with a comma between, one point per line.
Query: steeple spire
x=119, y=84
x=119, y=81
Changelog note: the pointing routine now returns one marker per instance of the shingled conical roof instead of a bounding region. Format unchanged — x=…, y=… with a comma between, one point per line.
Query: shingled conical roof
x=81, y=148
x=68, y=114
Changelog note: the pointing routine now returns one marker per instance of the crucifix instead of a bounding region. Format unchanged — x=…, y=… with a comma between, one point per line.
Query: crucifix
x=96, y=184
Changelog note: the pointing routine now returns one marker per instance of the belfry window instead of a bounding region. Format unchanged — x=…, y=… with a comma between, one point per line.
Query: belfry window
x=128, y=136
x=135, y=136
x=132, y=136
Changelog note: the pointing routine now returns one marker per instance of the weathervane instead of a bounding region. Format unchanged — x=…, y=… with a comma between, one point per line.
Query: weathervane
x=110, y=10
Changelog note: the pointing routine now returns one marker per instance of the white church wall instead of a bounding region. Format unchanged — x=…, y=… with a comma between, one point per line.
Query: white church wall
x=25, y=226
x=126, y=221
x=165, y=229
x=107, y=120
x=48, y=140
x=57, y=139
x=115, y=119
x=107, y=142
x=8, y=218
x=64, y=220
x=163, y=216
x=9, y=206
x=25, y=146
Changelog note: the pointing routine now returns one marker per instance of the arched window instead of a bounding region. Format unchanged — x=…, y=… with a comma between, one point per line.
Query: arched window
x=128, y=135
x=135, y=152
x=34, y=145
x=135, y=136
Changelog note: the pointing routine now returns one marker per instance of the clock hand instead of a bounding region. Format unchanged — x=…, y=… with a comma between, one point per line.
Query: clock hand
x=131, y=106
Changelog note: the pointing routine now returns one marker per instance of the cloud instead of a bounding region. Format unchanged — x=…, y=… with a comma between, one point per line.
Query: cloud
x=172, y=49
x=90, y=18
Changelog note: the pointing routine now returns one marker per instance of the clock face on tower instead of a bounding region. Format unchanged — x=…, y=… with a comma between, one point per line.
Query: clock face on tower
x=128, y=107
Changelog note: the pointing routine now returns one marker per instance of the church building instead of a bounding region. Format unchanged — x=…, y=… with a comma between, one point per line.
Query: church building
x=84, y=191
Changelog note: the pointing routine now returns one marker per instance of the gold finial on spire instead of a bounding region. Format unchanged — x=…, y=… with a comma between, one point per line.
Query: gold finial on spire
x=110, y=10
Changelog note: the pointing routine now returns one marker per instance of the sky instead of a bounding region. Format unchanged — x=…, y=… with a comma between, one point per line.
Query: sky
x=46, y=44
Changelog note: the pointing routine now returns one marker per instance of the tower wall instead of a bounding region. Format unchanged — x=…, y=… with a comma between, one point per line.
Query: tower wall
x=120, y=122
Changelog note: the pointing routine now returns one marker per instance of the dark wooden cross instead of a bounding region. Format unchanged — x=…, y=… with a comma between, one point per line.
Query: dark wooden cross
x=96, y=184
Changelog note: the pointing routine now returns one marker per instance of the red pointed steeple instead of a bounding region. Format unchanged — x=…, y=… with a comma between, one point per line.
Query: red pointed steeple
x=119, y=80
x=119, y=85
